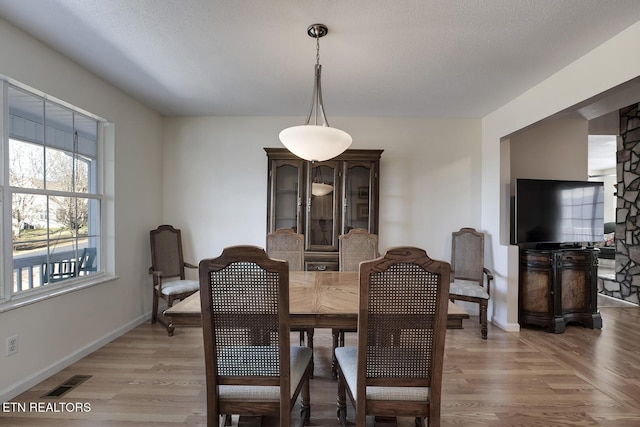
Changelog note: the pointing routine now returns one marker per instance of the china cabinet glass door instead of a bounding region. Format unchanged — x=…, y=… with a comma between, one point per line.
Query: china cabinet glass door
x=359, y=193
x=322, y=206
x=287, y=206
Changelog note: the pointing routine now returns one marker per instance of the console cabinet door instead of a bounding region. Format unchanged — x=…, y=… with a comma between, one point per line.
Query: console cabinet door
x=578, y=272
x=536, y=294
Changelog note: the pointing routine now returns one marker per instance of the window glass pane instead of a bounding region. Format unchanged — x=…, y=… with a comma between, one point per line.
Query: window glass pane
x=89, y=238
x=58, y=127
x=59, y=170
x=30, y=239
x=58, y=240
x=26, y=165
x=62, y=219
x=26, y=116
x=81, y=175
x=87, y=131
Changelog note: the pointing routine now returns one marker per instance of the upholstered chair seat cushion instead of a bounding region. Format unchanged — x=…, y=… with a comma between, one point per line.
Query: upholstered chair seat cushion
x=300, y=357
x=468, y=289
x=179, y=286
x=348, y=358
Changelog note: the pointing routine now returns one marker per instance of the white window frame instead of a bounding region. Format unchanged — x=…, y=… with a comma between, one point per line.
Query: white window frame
x=9, y=300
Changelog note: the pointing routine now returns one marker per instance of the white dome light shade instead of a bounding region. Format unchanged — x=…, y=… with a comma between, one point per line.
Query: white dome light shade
x=315, y=142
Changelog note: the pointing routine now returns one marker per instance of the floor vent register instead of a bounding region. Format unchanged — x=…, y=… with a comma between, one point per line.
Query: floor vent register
x=67, y=386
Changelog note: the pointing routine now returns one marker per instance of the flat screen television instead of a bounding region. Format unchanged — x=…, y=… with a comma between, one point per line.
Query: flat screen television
x=558, y=212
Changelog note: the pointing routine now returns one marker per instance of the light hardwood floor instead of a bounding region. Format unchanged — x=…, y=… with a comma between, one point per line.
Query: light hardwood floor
x=532, y=378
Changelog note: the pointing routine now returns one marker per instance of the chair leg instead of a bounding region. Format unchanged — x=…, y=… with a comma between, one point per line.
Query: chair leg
x=483, y=319
x=305, y=402
x=335, y=334
x=419, y=422
x=154, y=312
x=341, y=410
x=310, y=333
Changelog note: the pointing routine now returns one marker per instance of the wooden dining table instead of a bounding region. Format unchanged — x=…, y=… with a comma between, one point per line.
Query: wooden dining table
x=317, y=299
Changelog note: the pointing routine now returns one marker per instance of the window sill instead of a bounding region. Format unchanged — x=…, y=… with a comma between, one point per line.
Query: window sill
x=18, y=301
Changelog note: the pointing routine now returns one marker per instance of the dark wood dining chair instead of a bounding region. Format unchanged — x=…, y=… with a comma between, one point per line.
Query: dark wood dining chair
x=288, y=245
x=469, y=272
x=396, y=368
x=354, y=247
x=168, y=270
x=251, y=368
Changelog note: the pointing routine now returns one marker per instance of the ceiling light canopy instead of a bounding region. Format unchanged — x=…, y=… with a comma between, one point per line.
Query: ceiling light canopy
x=316, y=141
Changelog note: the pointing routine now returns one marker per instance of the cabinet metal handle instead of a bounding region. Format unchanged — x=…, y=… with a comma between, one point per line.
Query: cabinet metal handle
x=322, y=267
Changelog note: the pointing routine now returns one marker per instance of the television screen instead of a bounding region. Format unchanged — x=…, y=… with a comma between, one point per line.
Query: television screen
x=549, y=211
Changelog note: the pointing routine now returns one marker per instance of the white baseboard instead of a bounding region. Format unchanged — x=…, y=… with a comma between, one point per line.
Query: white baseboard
x=507, y=327
x=36, y=378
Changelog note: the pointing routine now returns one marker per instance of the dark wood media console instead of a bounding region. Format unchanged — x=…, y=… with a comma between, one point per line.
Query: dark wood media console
x=558, y=286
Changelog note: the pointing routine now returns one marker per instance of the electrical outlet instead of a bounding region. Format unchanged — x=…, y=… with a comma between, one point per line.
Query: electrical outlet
x=12, y=345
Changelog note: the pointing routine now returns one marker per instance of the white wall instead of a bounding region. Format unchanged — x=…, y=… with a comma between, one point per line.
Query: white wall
x=588, y=76
x=610, y=193
x=553, y=149
x=608, y=124
x=215, y=179
x=55, y=332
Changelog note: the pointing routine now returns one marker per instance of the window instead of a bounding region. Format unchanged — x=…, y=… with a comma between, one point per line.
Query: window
x=52, y=185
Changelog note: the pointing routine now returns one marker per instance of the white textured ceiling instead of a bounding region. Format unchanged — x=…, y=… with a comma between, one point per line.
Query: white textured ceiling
x=412, y=58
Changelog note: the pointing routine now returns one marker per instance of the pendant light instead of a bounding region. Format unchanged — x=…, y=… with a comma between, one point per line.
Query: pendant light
x=316, y=141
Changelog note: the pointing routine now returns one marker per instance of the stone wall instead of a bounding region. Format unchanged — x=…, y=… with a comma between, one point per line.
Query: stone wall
x=627, y=277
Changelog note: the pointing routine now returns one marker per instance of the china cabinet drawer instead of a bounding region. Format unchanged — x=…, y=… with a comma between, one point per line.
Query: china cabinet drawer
x=321, y=266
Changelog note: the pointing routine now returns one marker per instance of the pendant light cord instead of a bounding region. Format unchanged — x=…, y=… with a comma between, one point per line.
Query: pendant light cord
x=317, y=105
x=317, y=50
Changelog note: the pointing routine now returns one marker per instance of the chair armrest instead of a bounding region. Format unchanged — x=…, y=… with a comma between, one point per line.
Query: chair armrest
x=155, y=272
x=489, y=278
x=186, y=264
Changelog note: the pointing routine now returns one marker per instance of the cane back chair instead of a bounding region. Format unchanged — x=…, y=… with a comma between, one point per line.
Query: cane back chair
x=168, y=270
x=469, y=272
x=354, y=247
x=288, y=245
x=251, y=368
x=396, y=368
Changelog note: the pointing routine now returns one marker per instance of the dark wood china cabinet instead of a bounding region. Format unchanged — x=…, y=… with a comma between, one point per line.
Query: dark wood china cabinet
x=323, y=200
